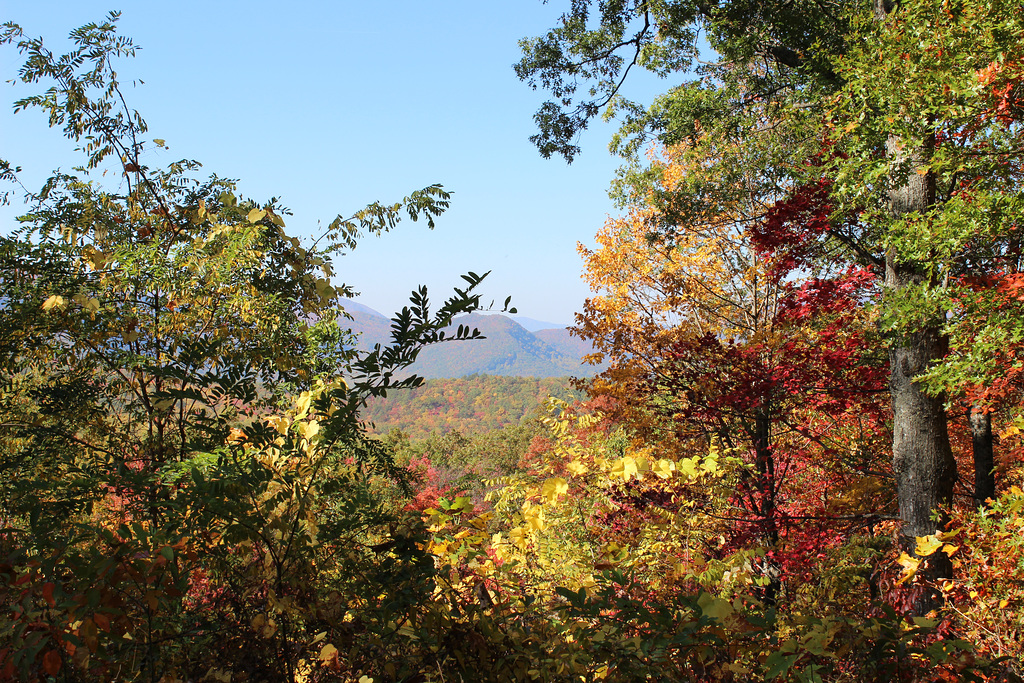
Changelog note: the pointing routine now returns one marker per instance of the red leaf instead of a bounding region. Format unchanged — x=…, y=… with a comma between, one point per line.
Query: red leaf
x=102, y=621
x=51, y=662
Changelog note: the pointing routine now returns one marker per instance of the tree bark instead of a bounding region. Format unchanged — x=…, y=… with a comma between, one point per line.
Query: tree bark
x=984, y=455
x=922, y=458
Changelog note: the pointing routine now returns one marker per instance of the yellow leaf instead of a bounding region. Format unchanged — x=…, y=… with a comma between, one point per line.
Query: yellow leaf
x=1012, y=430
x=688, y=466
x=625, y=468
x=534, y=517
x=256, y=215
x=553, y=488
x=328, y=653
x=54, y=301
x=518, y=536
x=310, y=429
x=663, y=468
x=910, y=565
x=927, y=545
x=576, y=468
x=302, y=404
x=279, y=423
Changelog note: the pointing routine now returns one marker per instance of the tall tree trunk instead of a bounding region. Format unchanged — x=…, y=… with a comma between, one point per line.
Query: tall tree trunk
x=984, y=457
x=922, y=458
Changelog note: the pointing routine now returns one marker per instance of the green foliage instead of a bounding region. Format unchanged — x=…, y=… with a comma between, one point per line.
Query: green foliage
x=584, y=63
x=187, y=489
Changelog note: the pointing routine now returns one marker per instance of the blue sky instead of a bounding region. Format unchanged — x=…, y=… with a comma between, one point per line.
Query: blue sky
x=331, y=105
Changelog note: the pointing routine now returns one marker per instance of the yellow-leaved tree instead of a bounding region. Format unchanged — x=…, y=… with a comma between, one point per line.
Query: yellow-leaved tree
x=187, y=489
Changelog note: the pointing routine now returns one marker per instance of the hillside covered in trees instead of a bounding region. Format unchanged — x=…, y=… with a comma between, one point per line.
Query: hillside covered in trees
x=802, y=458
x=472, y=405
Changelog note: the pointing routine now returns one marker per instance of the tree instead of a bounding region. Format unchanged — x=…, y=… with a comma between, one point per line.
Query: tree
x=946, y=155
x=180, y=407
x=710, y=340
x=828, y=73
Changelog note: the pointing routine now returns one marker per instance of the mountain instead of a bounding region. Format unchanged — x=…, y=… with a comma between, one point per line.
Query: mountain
x=373, y=327
x=508, y=350
x=566, y=343
x=354, y=306
x=531, y=325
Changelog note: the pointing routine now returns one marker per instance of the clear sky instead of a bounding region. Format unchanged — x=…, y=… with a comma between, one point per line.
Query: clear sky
x=331, y=105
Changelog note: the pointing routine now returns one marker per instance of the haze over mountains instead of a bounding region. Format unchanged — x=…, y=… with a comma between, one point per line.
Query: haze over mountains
x=510, y=349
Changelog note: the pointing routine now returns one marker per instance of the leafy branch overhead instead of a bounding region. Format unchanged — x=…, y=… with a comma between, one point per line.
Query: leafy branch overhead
x=379, y=218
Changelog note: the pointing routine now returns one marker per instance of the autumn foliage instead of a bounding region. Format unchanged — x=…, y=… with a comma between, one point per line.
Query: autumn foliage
x=193, y=490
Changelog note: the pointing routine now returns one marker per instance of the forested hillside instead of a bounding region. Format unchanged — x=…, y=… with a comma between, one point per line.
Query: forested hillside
x=472, y=405
x=802, y=458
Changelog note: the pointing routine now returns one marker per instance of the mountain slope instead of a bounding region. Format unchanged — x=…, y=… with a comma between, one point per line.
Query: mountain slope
x=564, y=342
x=531, y=325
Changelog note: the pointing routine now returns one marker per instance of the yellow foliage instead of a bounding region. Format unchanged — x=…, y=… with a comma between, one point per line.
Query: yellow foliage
x=553, y=488
x=53, y=302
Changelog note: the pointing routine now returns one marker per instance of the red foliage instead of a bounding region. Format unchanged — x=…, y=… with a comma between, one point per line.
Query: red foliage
x=429, y=485
x=790, y=232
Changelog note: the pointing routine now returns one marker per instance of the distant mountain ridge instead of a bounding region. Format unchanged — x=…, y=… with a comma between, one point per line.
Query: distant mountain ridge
x=531, y=325
x=509, y=349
